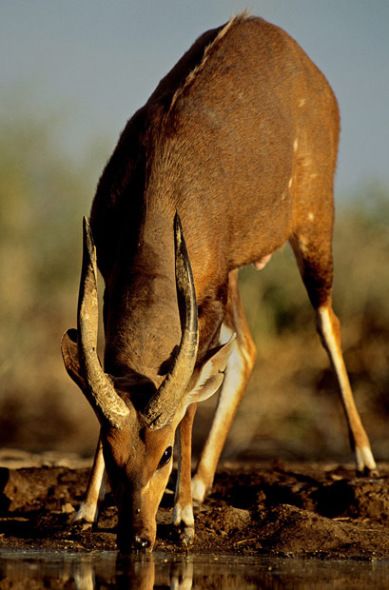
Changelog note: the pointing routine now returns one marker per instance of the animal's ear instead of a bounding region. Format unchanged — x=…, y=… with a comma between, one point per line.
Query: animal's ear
x=210, y=376
x=69, y=348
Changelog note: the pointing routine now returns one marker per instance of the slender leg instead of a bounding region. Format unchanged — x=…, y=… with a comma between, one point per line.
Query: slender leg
x=183, y=508
x=329, y=331
x=312, y=248
x=88, y=511
x=238, y=372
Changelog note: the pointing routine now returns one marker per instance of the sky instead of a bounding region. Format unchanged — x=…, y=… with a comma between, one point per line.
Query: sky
x=92, y=63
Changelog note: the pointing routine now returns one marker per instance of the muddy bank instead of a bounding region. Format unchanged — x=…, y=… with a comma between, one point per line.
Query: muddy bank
x=277, y=509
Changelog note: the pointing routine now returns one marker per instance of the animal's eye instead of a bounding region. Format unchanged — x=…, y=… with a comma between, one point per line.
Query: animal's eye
x=165, y=457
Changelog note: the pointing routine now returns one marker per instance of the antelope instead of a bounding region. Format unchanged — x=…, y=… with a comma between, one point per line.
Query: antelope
x=232, y=156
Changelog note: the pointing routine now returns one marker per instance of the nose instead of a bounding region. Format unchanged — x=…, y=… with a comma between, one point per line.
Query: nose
x=141, y=543
x=138, y=542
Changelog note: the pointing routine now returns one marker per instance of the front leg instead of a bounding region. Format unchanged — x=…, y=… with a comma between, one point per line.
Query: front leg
x=88, y=511
x=183, y=508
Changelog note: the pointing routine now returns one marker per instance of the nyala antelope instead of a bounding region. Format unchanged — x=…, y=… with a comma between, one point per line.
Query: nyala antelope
x=233, y=155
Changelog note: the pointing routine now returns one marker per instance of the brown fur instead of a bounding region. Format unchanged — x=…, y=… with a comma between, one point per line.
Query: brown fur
x=220, y=151
x=240, y=138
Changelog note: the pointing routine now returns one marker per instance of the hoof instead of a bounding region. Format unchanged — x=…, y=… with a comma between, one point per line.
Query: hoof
x=367, y=472
x=366, y=465
x=83, y=516
x=186, y=536
x=184, y=524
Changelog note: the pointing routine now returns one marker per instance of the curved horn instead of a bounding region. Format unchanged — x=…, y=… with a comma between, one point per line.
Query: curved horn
x=163, y=404
x=99, y=389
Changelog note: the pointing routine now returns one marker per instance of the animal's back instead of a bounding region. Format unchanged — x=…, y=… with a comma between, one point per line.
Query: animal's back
x=246, y=132
x=240, y=136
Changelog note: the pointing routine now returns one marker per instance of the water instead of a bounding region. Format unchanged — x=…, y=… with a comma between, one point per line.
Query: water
x=105, y=570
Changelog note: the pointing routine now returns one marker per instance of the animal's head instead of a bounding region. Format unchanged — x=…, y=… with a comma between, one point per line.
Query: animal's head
x=138, y=425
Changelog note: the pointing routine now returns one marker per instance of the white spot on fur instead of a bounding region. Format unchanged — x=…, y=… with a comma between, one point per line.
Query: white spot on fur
x=311, y=216
x=302, y=102
x=290, y=182
x=262, y=262
x=295, y=144
x=226, y=334
x=303, y=244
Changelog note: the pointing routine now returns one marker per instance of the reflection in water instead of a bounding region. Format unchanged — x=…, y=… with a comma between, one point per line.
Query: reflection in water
x=98, y=570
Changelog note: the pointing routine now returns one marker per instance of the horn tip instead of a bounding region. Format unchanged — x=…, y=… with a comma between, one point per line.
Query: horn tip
x=85, y=224
x=86, y=227
x=89, y=244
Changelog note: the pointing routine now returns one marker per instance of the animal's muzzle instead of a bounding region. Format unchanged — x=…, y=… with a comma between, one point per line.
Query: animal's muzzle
x=138, y=542
x=141, y=543
x=134, y=537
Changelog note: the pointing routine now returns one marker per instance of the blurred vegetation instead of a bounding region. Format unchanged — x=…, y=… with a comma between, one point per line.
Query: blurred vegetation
x=293, y=395
x=42, y=199
x=43, y=196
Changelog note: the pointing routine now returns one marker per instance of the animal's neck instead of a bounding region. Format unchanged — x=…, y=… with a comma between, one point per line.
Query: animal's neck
x=144, y=327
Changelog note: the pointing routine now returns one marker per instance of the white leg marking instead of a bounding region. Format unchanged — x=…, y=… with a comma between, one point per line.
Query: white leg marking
x=88, y=510
x=198, y=489
x=363, y=455
x=336, y=356
x=364, y=458
x=183, y=514
x=235, y=377
x=86, y=513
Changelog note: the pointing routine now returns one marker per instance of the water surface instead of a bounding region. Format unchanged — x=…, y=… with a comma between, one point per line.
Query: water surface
x=104, y=570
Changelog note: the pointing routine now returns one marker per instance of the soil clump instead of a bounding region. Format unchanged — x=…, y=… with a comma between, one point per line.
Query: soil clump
x=305, y=510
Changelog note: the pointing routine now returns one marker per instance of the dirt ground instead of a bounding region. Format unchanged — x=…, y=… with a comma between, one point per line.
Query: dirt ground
x=275, y=509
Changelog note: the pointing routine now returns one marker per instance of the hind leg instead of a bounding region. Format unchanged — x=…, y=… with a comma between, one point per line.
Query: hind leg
x=313, y=252
x=329, y=330
x=238, y=372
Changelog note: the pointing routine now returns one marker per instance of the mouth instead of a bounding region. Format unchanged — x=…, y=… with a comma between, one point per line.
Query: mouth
x=135, y=542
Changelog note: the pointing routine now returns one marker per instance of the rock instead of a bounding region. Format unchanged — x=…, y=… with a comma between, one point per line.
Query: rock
x=234, y=518
x=289, y=529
